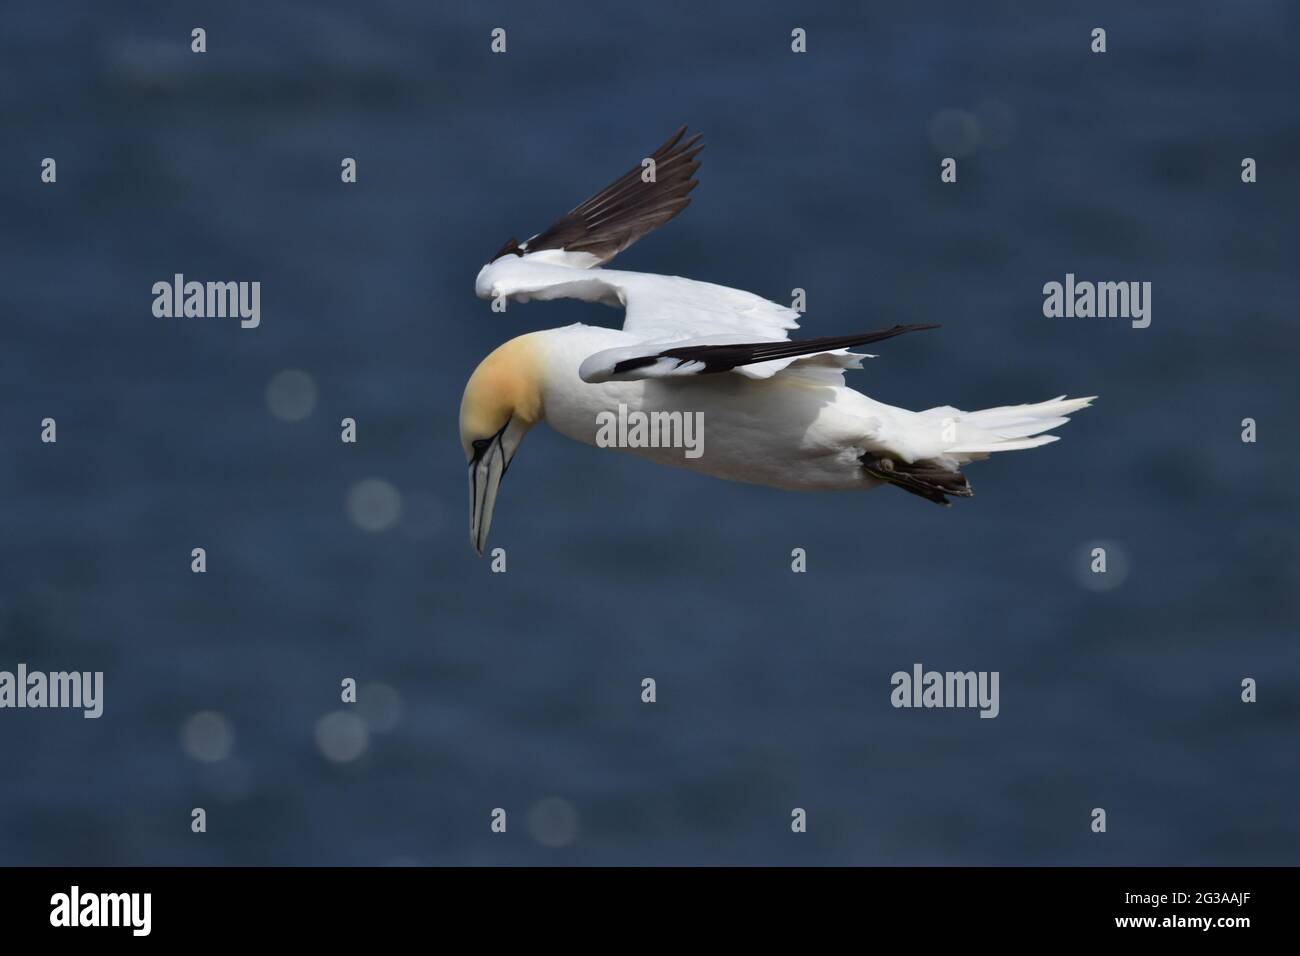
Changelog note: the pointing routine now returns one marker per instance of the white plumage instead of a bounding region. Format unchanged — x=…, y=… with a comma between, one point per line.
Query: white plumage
x=773, y=411
x=800, y=429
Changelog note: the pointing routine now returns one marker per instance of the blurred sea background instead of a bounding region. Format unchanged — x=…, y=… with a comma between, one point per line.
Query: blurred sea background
x=522, y=690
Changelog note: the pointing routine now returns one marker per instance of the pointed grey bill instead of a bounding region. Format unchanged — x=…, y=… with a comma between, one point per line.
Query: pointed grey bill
x=486, y=470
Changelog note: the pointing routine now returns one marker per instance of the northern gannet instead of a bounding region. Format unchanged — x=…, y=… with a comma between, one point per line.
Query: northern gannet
x=775, y=411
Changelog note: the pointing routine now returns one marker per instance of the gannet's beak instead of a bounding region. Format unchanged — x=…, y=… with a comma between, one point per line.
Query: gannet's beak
x=486, y=469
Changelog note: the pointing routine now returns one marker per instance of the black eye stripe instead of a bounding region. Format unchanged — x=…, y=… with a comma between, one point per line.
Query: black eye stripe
x=480, y=445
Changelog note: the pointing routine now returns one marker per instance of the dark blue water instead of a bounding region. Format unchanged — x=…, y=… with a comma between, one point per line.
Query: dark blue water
x=522, y=690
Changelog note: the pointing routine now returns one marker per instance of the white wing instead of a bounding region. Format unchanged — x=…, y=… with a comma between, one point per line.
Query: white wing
x=658, y=308
x=685, y=327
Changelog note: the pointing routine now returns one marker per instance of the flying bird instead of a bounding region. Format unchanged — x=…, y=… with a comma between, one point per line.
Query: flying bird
x=772, y=410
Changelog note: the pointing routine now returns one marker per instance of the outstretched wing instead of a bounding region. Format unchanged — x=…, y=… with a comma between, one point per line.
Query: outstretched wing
x=675, y=326
x=756, y=359
x=642, y=199
x=561, y=262
x=657, y=307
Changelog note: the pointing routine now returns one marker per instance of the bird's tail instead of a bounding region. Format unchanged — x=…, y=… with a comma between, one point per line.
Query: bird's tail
x=1008, y=427
x=929, y=462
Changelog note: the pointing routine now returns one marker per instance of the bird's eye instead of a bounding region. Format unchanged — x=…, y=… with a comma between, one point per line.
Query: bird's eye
x=480, y=444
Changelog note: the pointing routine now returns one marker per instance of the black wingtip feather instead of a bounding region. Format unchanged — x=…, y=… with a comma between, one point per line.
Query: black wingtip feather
x=723, y=358
x=628, y=208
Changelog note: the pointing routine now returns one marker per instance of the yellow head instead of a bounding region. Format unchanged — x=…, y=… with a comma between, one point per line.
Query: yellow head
x=502, y=400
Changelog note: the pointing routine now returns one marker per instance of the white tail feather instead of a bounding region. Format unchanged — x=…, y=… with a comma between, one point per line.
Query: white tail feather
x=1010, y=427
